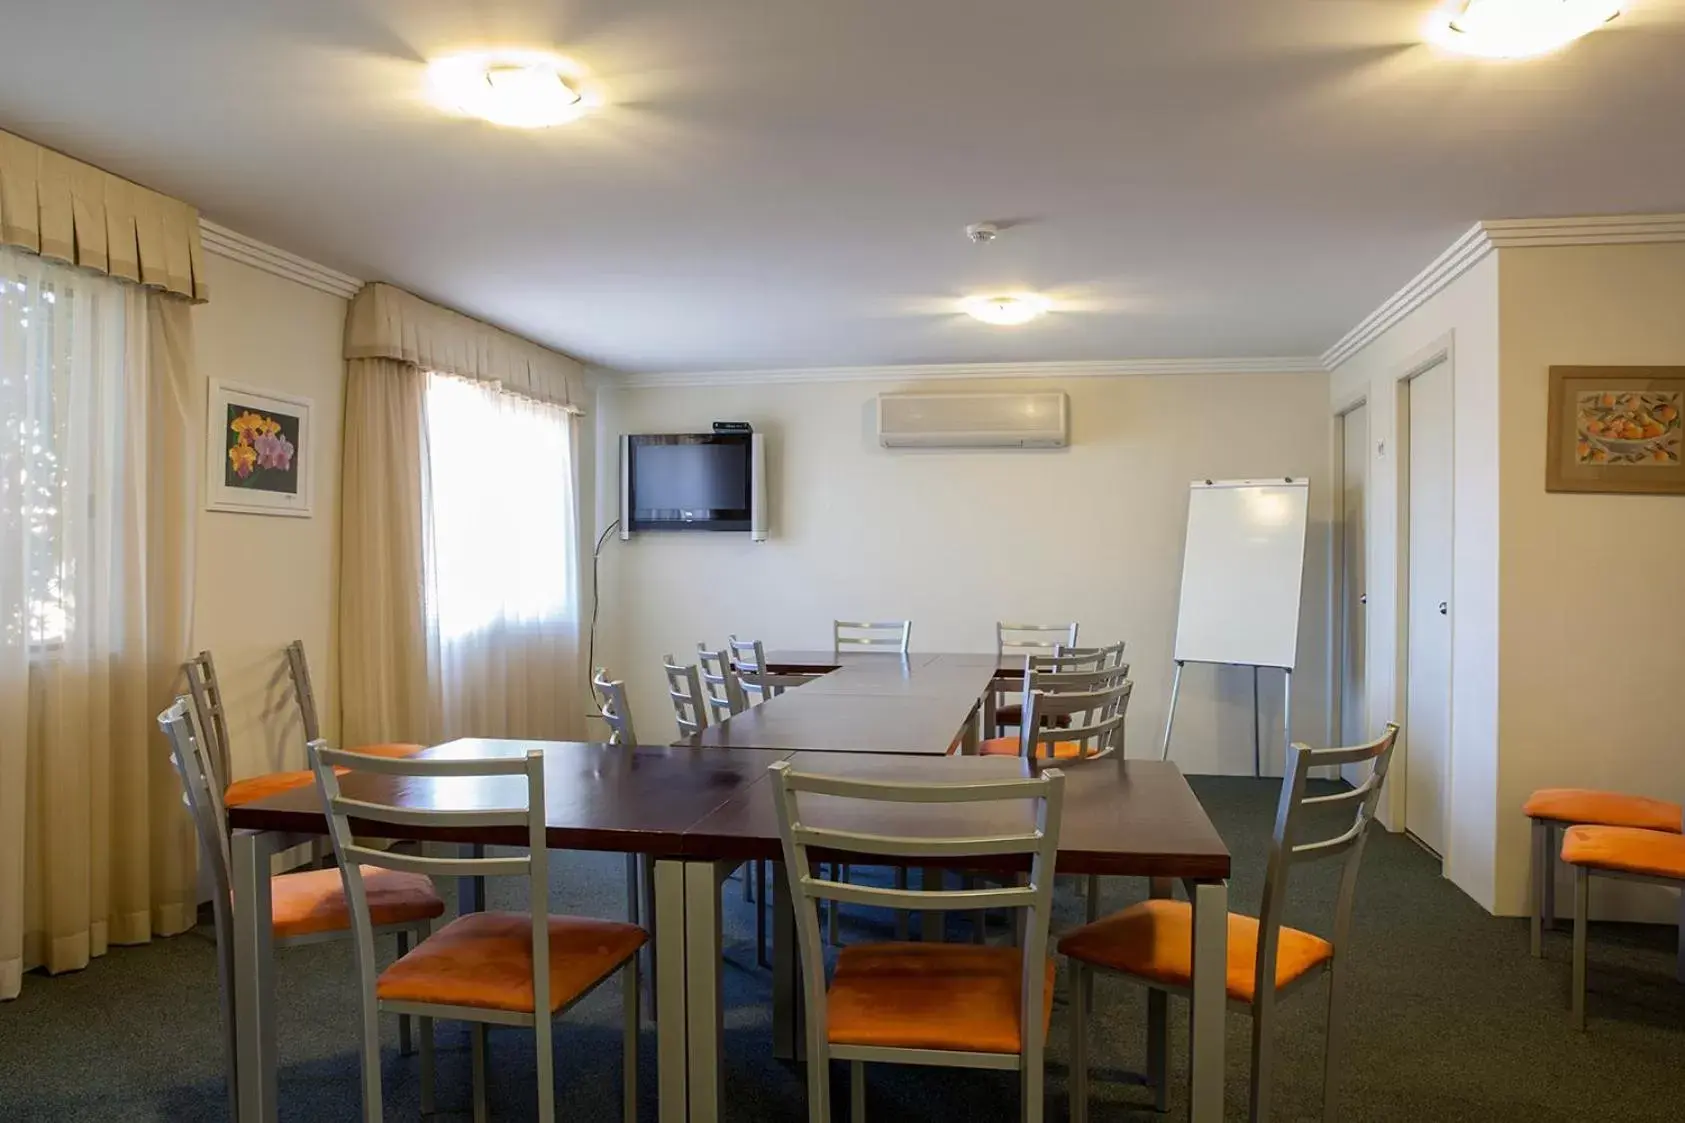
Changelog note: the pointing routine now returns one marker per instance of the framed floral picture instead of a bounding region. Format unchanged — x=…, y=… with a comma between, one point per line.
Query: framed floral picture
x=1616, y=429
x=258, y=451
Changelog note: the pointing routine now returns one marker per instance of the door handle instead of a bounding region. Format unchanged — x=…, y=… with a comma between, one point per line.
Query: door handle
x=1444, y=608
x=1363, y=598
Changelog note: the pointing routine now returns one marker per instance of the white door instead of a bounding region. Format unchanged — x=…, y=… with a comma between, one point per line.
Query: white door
x=1427, y=721
x=1354, y=474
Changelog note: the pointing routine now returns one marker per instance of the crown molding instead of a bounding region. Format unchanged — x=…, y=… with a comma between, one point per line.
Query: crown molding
x=1124, y=368
x=1503, y=234
x=259, y=255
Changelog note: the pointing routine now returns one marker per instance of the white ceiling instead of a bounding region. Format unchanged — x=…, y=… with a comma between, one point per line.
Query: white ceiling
x=778, y=183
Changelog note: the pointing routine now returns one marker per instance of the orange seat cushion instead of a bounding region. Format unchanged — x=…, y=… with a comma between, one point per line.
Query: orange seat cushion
x=1154, y=940
x=254, y=788
x=1009, y=746
x=931, y=996
x=314, y=901
x=484, y=960
x=1625, y=850
x=1606, y=809
x=390, y=749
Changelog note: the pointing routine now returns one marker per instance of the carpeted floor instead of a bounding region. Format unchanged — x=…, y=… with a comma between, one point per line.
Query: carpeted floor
x=1451, y=1020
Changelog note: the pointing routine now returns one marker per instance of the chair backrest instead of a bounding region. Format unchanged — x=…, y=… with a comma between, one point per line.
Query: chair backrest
x=720, y=688
x=1037, y=837
x=863, y=635
x=1095, y=703
x=748, y=663
x=203, y=797
x=1033, y=639
x=612, y=705
x=684, y=687
x=335, y=769
x=1066, y=658
x=299, y=668
x=202, y=684
x=1289, y=847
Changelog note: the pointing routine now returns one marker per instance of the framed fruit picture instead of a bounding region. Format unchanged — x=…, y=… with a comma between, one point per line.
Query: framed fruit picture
x=1616, y=429
x=258, y=451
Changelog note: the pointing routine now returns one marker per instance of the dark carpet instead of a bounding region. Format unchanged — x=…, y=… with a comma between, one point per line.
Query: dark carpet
x=1451, y=1019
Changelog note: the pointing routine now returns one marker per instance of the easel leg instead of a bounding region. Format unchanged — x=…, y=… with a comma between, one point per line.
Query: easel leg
x=1286, y=713
x=1170, y=716
x=1257, y=721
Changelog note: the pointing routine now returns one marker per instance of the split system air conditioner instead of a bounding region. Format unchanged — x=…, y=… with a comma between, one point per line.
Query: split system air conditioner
x=990, y=420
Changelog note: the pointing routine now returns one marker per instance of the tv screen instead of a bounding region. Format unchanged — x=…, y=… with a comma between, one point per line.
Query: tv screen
x=689, y=481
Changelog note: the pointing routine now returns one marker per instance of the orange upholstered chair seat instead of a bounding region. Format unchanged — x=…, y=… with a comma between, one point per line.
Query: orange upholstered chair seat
x=1606, y=809
x=254, y=788
x=314, y=901
x=1625, y=850
x=484, y=960
x=1154, y=940
x=1009, y=746
x=963, y=997
x=389, y=749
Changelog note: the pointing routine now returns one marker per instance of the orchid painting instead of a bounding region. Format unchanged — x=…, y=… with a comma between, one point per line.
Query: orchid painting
x=260, y=444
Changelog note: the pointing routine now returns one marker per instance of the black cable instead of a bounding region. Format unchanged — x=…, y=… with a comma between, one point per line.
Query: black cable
x=596, y=552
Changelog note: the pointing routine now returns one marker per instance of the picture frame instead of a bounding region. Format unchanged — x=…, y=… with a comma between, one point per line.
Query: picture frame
x=1616, y=430
x=259, y=448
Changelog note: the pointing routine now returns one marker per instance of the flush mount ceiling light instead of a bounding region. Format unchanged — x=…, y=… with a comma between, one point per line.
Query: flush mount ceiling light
x=1517, y=28
x=520, y=89
x=1006, y=309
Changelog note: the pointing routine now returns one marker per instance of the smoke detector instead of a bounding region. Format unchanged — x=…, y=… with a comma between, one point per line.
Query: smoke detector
x=981, y=232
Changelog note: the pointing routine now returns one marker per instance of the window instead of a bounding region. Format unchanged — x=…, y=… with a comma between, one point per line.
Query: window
x=500, y=508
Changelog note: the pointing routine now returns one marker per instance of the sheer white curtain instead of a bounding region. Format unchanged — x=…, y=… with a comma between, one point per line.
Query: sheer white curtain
x=502, y=581
x=91, y=841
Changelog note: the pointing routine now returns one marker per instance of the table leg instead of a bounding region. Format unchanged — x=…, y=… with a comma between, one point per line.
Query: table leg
x=672, y=1046
x=933, y=924
x=471, y=891
x=991, y=727
x=702, y=987
x=1206, y=1011
x=254, y=975
x=787, y=1035
x=969, y=736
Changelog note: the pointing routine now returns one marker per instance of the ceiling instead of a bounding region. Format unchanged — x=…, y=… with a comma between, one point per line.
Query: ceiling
x=778, y=184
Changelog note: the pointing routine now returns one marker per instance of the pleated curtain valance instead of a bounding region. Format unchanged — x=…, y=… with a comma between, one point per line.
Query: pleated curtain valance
x=73, y=212
x=388, y=323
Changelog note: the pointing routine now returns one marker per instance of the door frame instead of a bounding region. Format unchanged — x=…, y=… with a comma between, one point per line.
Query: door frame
x=1440, y=352
x=1337, y=567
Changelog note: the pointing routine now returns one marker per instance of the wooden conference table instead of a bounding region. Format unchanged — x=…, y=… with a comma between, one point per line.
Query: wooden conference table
x=701, y=811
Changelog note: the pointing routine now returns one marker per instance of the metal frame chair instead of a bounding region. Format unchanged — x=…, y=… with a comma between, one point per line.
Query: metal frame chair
x=613, y=707
x=1077, y=659
x=720, y=688
x=807, y=889
x=203, y=798
x=533, y=865
x=1025, y=639
x=202, y=684
x=298, y=667
x=690, y=708
x=1596, y=851
x=1094, y=704
x=868, y=638
x=1287, y=849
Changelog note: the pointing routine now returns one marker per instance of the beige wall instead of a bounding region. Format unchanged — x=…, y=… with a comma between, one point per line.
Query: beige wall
x=1593, y=625
x=955, y=540
x=1461, y=321
x=261, y=580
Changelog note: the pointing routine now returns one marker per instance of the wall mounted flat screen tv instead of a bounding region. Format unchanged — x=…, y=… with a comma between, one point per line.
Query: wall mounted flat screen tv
x=692, y=481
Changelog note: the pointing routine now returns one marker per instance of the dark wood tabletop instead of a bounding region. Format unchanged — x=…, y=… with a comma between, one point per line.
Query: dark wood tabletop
x=597, y=797
x=1127, y=818
x=817, y=662
x=846, y=723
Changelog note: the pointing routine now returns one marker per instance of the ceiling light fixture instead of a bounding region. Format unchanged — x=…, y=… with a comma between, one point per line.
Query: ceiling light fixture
x=1517, y=28
x=519, y=89
x=1007, y=309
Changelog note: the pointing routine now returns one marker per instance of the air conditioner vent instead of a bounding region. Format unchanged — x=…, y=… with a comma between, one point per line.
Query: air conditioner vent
x=989, y=420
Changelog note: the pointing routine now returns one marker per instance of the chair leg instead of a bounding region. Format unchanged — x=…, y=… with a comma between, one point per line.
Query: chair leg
x=818, y=1078
x=373, y=1109
x=406, y=1043
x=1079, y=1043
x=1582, y=917
x=760, y=912
x=1263, y=1061
x=1333, y=1052
x=646, y=911
x=1681, y=968
x=428, y=1105
x=1032, y=1094
x=1552, y=850
x=857, y=1091
x=1158, y=1047
x=1541, y=871
x=634, y=897
x=629, y=1055
x=1093, y=898
x=477, y=1051
x=901, y=915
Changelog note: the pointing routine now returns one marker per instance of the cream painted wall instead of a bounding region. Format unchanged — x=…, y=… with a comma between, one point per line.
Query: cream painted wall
x=1461, y=321
x=955, y=540
x=263, y=581
x=1592, y=622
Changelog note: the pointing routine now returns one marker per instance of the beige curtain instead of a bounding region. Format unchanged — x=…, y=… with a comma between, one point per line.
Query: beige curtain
x=97, y=515
x=65, y=210
x=403, y=677
x=383, y=650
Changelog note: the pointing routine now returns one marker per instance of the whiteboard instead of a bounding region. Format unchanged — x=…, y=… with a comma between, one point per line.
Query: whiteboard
x=1242, y=569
